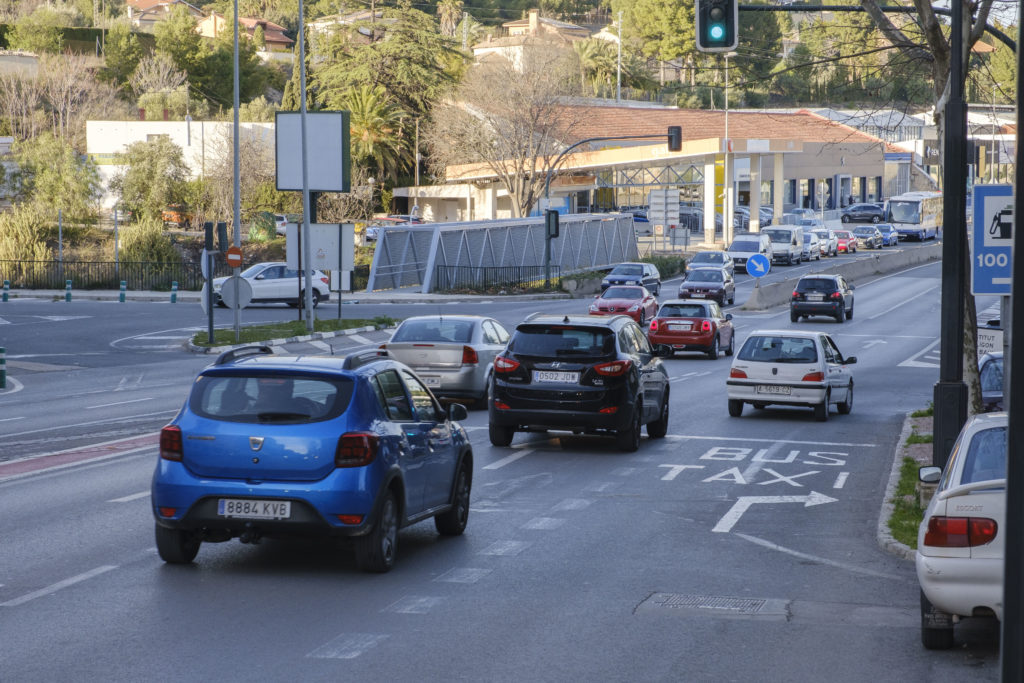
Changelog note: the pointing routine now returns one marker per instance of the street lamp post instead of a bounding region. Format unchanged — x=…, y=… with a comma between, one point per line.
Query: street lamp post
x=728, y=190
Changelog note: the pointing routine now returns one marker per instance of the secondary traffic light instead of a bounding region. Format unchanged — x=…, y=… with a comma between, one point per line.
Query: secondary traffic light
x=551, y=222
x=675, y=138
x=717, y=25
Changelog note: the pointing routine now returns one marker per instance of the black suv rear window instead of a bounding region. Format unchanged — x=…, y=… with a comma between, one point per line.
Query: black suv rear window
x=816, y=284
x=778, y=349
x=562, y=340
x=265, y=399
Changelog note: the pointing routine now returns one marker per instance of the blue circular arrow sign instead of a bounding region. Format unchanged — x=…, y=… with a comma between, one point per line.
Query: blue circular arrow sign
x=758, y=265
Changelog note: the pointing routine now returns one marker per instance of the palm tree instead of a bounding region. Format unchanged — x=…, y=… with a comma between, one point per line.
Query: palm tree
x=376, y=130
x=449, y=13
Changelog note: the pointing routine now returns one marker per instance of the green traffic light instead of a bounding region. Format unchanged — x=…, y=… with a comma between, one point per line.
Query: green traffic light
x=716, y=31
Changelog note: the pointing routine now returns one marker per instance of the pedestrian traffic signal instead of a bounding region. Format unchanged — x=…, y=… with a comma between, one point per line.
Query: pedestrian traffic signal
x=717, y=25
x=675, y=138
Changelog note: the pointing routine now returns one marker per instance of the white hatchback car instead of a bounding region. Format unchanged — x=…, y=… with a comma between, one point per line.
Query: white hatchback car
x=959, y=543
x=787, y=367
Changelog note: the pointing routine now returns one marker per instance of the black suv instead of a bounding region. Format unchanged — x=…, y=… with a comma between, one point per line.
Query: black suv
x=580, y=373
x=822, y=294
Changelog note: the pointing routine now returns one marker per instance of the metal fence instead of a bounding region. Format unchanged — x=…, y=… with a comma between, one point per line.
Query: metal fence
x=453, y=278
x=138, y=275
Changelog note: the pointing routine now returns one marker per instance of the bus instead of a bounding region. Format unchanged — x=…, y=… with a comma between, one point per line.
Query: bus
x=915, y=214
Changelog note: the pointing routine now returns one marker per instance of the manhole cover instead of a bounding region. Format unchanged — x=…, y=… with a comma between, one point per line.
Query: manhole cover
x=716, y=605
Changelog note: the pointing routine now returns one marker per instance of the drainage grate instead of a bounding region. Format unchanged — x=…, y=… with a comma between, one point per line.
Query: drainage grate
x=716, y=605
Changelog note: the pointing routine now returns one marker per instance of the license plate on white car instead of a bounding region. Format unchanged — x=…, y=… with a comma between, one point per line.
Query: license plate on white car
x=554, y=376
x=773, y=389
x=254, y=509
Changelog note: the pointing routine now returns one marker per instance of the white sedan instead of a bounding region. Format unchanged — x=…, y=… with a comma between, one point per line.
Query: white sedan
x=960, y=542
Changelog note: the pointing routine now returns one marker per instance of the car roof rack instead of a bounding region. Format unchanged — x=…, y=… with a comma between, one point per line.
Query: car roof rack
x=355, y=360
x=234, y=354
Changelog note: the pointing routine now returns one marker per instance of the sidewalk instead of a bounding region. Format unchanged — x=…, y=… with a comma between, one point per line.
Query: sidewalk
x=405, y=296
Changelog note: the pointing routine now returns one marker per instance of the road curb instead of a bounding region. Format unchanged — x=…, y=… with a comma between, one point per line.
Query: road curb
x=884, y=536
x=316, y=336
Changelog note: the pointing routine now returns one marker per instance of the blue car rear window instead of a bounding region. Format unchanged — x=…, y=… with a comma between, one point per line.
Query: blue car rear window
x=265, y=399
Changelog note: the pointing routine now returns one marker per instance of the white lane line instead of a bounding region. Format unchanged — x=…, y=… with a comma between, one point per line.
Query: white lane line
x=119, y=403
x=903, y=303
x=508, y=459
x=414, y=604
x=505, y=548
x=912, y=362
x=814, y=558
x=347, y=646
x=154, y=336
x=841, y=480
x=126, y=499
x=57, y=586
x=462, y=575
x=11, y=419
x=359, y=339
x=755, y=438
x=322, y=345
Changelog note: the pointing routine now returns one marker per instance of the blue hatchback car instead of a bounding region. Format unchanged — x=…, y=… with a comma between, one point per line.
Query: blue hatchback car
x=320, y=446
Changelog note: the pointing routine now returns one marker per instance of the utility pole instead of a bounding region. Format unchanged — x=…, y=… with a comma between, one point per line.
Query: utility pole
x=618, y=67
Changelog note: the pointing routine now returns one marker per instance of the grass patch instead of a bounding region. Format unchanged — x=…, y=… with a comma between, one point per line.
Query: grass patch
x=293, y=328
x=907, y=513
x=927, y=412
x=918, y=438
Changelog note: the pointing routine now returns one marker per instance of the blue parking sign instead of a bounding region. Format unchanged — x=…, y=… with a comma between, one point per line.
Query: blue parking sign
x=992, y=239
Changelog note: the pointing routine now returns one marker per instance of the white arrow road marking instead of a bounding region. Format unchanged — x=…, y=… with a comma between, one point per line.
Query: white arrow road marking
x=912, y=362
x=740, y=506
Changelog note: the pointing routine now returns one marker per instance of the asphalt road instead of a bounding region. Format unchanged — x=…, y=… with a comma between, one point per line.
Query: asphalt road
x=735, y=549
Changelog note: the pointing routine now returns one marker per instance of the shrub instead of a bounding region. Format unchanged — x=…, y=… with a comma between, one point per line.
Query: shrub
x=145, y=240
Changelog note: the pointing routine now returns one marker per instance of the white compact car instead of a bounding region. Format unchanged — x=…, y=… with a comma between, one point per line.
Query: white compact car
x=960, y=542
x=786, y=367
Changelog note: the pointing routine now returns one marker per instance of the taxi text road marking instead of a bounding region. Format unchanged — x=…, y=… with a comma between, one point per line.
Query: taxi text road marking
x=126, y=499
x=840, y=480
x=119, y=403
x=740, y=506
x=672, y=437
x=508, y=459
x=57, y=586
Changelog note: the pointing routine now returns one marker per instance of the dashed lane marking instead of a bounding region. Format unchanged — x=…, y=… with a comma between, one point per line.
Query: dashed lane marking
x=53, y=588
x=127, y=499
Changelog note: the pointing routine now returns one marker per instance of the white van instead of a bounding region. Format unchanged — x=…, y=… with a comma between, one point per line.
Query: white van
x=787, y=243
x=746, y=244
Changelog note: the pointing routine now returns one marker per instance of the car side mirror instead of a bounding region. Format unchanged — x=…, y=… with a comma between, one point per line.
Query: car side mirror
x=852, y=286
x=850, y=361
x=662, y=350
x=728, y=316
x=457, y=411
x=259, y=277
x=929, y=474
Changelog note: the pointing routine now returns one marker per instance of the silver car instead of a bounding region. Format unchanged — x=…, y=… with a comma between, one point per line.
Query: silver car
x=452, y=354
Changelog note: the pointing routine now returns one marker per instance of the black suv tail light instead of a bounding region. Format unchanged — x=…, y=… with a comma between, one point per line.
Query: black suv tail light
x=170, y=443
x=505, y=364
x=356, y=449
x=615, y=368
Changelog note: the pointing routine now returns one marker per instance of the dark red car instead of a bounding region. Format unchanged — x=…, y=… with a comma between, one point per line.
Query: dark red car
x=847, y=242
x=692, y=325
x=636, y=302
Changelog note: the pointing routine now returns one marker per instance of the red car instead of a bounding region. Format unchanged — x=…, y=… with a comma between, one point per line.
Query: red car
x=847, y=242
x=693, y=325
x=636, y=302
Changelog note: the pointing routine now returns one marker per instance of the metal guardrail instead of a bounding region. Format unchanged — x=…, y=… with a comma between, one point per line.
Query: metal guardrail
x=137, y=275
x=450, y=278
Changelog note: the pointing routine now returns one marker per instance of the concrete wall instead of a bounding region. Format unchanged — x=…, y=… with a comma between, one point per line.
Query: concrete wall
x=879, y=263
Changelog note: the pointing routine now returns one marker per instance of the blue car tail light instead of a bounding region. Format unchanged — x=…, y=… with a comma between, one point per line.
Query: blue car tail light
x=356, y=449
x=170, y=443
